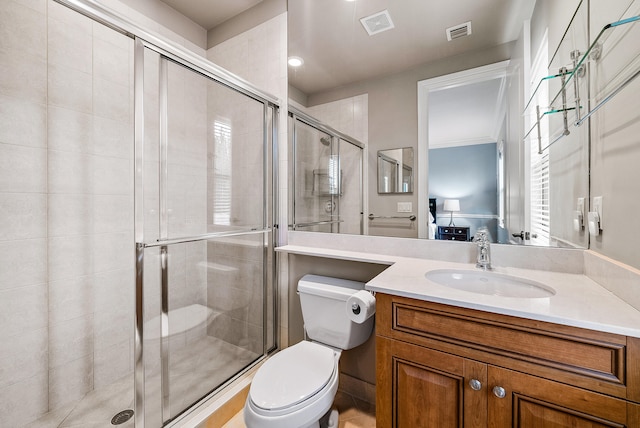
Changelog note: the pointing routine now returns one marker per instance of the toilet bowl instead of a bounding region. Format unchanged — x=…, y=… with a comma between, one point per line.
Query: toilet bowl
x=296, y=387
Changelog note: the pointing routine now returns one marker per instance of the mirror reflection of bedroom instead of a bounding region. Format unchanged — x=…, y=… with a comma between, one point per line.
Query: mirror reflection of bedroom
x=466, y=127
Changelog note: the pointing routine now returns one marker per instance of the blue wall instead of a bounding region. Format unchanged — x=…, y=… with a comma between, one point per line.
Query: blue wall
x=470, y=174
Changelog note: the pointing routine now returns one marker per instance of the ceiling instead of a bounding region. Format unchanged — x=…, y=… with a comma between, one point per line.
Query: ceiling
x=210, y=13
x=337, y=50
x=466, y=114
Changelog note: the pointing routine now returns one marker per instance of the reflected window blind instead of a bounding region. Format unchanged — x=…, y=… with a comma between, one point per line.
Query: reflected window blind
x=539, y=163
x=222, y=173
x=539, y=202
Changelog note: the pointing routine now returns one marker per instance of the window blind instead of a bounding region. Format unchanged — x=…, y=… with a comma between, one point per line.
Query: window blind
x=222, y=174
x=539, y=207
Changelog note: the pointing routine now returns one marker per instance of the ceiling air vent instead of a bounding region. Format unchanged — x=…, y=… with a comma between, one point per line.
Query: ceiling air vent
x=458, y=31
x=377, y=23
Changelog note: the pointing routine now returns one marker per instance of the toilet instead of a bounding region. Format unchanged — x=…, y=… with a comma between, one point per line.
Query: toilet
x=295, y=388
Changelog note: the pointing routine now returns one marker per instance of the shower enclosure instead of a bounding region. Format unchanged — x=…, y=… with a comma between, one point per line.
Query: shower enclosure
x=136, y=247
x=327, y=179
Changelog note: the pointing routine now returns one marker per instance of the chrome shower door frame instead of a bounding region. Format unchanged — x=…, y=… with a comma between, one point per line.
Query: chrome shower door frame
x=164, y=241
x=337, y=137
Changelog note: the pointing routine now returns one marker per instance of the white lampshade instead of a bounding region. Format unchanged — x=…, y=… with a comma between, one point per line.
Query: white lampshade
x=451, y=205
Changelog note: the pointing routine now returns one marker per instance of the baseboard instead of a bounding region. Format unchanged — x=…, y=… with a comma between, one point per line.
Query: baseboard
x=358, y=388
x=228, y=410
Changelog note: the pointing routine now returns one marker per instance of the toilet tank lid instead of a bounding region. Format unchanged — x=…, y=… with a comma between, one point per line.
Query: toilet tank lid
x=325, y=286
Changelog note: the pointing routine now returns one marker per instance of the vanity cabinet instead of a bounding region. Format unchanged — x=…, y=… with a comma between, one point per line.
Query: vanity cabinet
x=443, y=366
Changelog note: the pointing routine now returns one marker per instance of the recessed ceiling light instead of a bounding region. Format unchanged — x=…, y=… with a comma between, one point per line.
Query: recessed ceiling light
x=295, y=61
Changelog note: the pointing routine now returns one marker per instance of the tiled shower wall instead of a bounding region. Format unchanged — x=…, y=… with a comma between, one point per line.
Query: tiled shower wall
x=349, y=116
x=66, y=200
x=66, y=190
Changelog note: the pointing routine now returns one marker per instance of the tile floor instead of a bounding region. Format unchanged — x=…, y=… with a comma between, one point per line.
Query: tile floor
x=209, y=358
x=354, y=413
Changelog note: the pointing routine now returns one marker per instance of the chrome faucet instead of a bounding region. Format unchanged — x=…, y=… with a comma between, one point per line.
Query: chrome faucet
x=481, y=238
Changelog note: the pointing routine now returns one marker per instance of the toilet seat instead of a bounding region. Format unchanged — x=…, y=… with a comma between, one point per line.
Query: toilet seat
x=292, y=378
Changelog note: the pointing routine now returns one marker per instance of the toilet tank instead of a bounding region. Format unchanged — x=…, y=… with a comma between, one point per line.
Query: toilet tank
x=324, y=301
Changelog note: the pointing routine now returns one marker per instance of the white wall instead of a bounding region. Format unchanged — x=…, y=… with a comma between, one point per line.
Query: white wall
x=614, y=142
x=514, y=149
x=615, y=133
x=161, y=18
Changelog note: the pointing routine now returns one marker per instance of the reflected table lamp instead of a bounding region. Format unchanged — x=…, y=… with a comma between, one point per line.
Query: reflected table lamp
x=452, y=205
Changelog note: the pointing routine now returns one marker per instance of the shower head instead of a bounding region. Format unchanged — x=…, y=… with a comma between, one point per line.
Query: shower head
x=325, y=140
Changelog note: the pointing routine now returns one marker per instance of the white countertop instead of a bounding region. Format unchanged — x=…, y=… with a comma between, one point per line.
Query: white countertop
x=578, y=302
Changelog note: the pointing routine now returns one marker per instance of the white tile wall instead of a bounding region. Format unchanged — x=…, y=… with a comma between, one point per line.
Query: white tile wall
x=25, y=358
x=68, y=130
x=24, y=215
x=24, y=401
x=69, y=257
x=22, y=169
x=70, y=382
x=69, y=88
x=28, y=258
x=70, y=340
x=349, y=115
x=18, y=19
x=70, y=46
x=24, y=122
x=66, y=204
x=24, y=310
x=70, y=298
x=112, y=363
x=111, y=138
x=23, y=76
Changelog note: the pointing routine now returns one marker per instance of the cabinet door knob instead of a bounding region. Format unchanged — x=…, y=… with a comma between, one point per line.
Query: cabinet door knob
x=475, y=384
x=499, y=392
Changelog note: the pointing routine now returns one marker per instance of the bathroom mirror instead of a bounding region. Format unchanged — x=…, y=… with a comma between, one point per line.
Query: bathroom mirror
x=385, y=65
x=395, y=170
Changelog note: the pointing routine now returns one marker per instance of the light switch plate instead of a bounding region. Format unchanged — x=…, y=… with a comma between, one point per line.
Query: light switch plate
x=597, y=207
x=578, y=218
x=580, y=205
x=405, y=207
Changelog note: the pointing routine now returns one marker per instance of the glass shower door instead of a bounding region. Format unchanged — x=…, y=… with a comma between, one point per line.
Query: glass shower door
x=351, y=204
x=327, y=180
x=317, y=182
x=207, y=264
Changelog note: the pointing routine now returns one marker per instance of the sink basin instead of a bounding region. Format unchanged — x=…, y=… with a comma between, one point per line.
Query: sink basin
x=490, y=283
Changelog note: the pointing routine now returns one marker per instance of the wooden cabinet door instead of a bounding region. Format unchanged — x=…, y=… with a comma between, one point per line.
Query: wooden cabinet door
x=532, y=402
x=419, y=387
